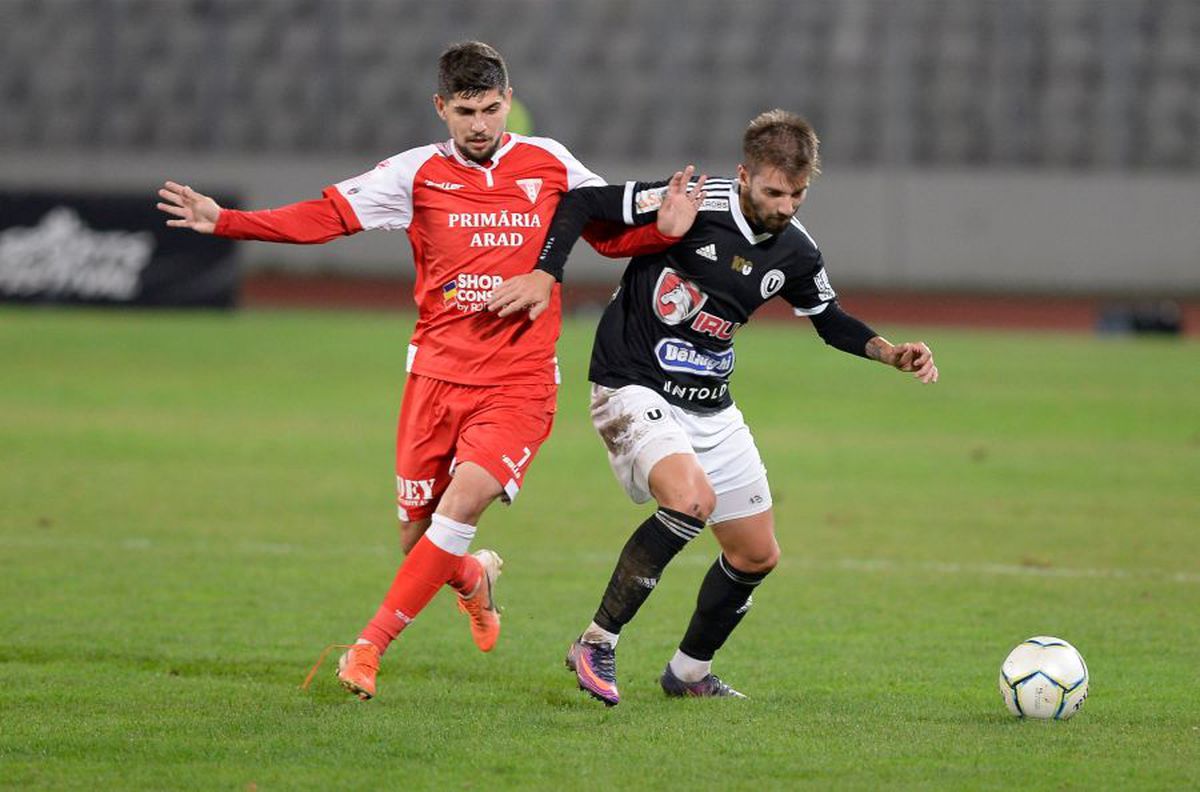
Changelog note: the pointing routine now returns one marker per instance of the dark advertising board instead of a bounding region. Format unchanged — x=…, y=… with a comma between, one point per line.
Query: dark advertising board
x=102, y=249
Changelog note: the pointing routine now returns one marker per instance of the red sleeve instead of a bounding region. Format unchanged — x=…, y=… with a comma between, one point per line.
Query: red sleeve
x=304, y=223
x=616, y=240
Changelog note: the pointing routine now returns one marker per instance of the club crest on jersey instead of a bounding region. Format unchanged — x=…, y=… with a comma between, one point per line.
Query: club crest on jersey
x=771, y=283
x=531, y=187
x=675, y=354
x=676, y=300
x=742, y=265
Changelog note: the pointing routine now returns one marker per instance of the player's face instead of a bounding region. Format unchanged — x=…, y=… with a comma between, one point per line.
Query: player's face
x=477, y=123
x=770, y=197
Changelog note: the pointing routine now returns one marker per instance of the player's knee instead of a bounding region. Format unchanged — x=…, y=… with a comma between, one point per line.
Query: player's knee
x=756, y=560
x=696, y=499
x=411, y=533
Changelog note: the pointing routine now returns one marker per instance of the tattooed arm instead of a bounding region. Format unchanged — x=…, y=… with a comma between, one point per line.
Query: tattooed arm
x=912, y=356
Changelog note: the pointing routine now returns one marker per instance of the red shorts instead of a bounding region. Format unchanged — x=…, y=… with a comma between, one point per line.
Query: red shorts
x=443, y=424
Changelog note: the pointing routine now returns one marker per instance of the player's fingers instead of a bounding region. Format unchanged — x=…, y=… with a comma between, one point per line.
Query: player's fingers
x=509, y=306
x=167, y=195
x=698, y=190
x=171, y=209
x=537, y=308
x=173, y=186
x=675, y=184
x=179, y=223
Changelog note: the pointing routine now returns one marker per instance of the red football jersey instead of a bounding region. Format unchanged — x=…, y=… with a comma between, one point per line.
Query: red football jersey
x=471, y=227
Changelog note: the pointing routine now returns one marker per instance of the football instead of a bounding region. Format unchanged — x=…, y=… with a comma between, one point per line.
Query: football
x=1044, y=677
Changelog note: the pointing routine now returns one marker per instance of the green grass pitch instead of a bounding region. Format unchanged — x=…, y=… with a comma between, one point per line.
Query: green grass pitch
x=193, y=505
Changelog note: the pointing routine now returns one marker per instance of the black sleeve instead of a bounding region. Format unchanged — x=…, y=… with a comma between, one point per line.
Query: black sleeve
x=620, y=203
x=841, y=330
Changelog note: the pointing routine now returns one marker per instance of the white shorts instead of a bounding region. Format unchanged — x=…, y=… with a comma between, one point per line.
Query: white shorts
x=639, y=427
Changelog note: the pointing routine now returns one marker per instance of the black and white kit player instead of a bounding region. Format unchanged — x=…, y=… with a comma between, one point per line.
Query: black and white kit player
x=660, y=370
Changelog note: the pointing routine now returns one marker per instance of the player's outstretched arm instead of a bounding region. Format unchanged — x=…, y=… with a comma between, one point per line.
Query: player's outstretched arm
x=912, y=356
x=189, y=208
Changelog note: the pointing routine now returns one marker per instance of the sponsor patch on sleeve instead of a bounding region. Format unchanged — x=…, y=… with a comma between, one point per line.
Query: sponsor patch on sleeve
x=648, y=200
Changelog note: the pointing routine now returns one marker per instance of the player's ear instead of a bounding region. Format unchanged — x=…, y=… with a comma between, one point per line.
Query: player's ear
x=439, y=104
x=743, y=175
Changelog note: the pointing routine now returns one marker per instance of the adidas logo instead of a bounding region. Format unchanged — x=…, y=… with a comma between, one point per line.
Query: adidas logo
x=709, y=251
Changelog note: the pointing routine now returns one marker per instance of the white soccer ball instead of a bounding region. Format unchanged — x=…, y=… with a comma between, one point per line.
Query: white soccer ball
x=1044, y=678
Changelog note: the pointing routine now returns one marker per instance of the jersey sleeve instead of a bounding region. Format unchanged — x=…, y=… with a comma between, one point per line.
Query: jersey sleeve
x=382, y=197
x=304, y=223
x=615, y=240
x=807, y=289
x=641, y=201
x=578, y=174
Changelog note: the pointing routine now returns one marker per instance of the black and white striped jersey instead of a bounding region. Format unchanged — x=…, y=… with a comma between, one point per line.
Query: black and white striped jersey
x=671, y=323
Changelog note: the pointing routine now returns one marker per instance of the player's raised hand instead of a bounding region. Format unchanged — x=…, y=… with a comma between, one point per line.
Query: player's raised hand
x=189, y=208
x=917, y=358
x=680, y=203
x=531, y=292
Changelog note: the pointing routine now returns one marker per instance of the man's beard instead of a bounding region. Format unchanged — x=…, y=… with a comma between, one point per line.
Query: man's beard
x=484, y=155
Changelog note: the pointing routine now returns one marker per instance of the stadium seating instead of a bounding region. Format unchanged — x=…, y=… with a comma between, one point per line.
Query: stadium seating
x=930, y=83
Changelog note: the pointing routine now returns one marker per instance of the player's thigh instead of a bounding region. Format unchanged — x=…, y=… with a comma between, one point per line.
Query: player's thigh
x=729, y=457
x=503, y=435
x=749, y=543
x=426, y=435
x=645, y=444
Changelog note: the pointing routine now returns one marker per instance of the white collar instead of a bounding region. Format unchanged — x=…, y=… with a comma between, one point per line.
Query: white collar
x=735, y=208
x=500, y=152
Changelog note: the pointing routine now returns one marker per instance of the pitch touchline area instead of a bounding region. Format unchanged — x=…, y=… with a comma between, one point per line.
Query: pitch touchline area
x=856, y=565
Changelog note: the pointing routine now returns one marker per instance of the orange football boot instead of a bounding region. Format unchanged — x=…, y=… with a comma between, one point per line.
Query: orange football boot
x=357, y=668
x=480, y=605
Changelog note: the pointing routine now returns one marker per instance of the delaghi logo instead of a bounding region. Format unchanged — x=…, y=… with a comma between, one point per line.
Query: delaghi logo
x=676, y=300
x=61, y=256
x=675, y=354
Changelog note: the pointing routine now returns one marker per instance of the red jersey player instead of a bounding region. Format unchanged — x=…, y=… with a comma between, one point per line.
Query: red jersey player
x=480, y=396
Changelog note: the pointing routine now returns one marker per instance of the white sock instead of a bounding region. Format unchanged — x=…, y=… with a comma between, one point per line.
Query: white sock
x=689, y=669
x=597, y=634
x=449, y=535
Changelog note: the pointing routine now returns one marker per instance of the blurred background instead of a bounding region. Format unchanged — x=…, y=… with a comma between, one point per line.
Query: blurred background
x=1006, y=147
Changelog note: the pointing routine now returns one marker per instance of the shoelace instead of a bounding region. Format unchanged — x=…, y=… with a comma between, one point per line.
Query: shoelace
x=604, y=660
x=317, y=666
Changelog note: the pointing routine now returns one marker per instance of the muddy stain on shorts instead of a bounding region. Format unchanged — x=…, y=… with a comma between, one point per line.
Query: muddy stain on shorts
x=615, y=434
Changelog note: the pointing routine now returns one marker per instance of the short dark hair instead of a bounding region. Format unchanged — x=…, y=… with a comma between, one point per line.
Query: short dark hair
x=783, y=140
x=469, y=69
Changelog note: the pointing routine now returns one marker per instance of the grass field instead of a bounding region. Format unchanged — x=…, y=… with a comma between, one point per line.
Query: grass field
x=193, y=505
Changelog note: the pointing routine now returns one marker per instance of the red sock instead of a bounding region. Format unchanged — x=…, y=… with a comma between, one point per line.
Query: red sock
x=425, y=570
x=466, y=577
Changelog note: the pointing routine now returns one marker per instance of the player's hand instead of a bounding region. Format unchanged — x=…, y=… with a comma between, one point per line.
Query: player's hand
x=917, y=358
x=191, y=209
x=529, y=292
x=680, y=203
